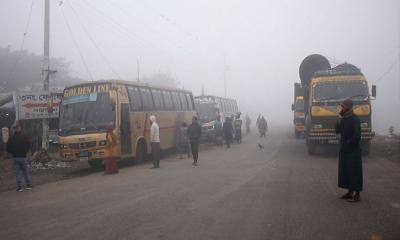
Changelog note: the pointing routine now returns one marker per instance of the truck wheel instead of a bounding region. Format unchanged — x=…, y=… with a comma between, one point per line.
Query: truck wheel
x=365, y=148
x=297, y=134
x=96, y=164
x=141, y=152
x=311, y=147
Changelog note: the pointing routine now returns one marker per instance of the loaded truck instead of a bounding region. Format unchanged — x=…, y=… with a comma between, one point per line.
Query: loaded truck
x=324, y=90
x=298, y=111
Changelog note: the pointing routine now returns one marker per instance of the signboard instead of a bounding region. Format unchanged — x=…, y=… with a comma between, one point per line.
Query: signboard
x=38, y=105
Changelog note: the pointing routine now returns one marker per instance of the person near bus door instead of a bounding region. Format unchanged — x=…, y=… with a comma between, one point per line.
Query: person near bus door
x=183, y=142
x=350, y=175
x=194, y=133
x=155, y=141
x=238, y=128
x=228, y=131
x=18, y=146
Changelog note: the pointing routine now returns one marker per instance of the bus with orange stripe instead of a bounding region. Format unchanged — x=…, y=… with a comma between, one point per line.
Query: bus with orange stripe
x=88, y=110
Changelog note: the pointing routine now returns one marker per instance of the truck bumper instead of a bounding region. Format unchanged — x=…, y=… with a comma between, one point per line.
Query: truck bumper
x=330, y=137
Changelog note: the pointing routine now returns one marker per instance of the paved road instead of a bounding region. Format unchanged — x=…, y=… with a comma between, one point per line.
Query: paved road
x=278, y=192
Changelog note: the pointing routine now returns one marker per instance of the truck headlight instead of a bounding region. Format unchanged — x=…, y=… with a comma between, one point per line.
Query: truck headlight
x=364, y=125
x=102, y=142
x=317, y=125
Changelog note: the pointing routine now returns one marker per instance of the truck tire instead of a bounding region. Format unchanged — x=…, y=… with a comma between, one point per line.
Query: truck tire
x=297, y=134
x=141, y=152
x=96, y=164
x=365, y=148
x=311, y=147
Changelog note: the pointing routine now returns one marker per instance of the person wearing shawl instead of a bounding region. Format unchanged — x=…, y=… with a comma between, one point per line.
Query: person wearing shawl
x=350, y=174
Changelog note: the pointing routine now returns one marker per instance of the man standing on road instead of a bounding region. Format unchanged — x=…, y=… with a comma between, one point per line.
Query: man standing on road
x=248, y=123
x=350, y=162
x=194, y=133
x=155, y=141
x=18, y=146
x=228, y=131
x=238, y=128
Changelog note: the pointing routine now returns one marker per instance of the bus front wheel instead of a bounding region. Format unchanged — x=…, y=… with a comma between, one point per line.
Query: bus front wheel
x=96, y=164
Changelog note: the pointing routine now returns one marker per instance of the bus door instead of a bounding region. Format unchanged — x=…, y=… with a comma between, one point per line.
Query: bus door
x=126, y=142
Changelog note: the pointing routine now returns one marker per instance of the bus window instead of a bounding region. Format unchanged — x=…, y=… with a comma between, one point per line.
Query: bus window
x=167, y=100
x=134, y=98
x=224, y=105
x=177, y=102
x=190, y=101
x=183, y=101
x=158, y=101
x=147, y=99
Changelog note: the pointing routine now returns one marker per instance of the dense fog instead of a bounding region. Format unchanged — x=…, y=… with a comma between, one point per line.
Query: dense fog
x=261, y=42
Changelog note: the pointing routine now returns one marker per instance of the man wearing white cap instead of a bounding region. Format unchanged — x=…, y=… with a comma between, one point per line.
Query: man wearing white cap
x=155, y=142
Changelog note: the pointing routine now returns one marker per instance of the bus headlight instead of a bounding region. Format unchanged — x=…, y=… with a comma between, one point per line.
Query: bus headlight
x=63, y=146
x=102, y=142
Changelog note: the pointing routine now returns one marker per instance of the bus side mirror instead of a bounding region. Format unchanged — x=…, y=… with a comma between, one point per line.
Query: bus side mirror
x=292, y=107
x=373, y=92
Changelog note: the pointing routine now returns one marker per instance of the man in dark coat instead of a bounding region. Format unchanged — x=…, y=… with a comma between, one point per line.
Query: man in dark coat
x=18, y=146
x=228, y=131
x=350, y=163
x=194, y=133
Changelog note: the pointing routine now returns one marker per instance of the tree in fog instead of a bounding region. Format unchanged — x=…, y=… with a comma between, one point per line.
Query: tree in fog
x=22, y=69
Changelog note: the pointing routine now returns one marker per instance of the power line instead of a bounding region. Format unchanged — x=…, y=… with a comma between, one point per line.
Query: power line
x=12, y=71
x=120, y=25
x=387, y=71
x=75, y=43
x=94, y=43
x=123, y=11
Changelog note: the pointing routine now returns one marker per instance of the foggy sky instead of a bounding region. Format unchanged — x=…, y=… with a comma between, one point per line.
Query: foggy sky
x=263, y=41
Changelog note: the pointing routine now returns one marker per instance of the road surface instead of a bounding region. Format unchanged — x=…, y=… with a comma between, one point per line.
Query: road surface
x=278, y=192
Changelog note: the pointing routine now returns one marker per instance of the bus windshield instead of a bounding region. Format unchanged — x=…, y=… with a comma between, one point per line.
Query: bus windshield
x=338, y=91
x=206, y=111
x=86, y=113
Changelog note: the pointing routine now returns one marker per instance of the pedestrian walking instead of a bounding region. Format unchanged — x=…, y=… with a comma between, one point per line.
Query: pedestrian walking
x=155, y=141
x=218, y=131
x=18, y=146
x=228, y=131
x=248, y=124
x=263, y=127
x=183, y=141
x=238, y=128
x=194, y=133
x=350, y=175
x=258, y=121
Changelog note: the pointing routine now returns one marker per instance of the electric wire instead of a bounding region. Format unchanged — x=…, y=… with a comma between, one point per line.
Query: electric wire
x=76, y=43
x=12, y=70
x=94, y=42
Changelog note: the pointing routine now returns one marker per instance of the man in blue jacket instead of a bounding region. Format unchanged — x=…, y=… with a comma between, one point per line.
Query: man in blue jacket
x=18, y=146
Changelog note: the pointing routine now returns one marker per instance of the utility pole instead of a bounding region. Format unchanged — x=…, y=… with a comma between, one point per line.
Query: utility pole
x=138, y=75
x=46, y=70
